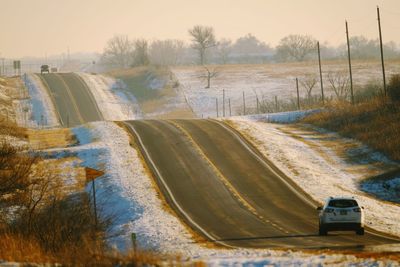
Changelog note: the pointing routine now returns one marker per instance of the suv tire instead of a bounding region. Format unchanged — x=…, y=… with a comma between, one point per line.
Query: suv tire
x=360, y=231
x=322, y=231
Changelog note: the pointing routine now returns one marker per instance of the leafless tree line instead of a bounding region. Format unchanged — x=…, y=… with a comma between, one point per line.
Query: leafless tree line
x=205, y=48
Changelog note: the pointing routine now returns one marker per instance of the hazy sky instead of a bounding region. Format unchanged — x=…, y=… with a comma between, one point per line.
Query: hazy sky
x=39, y=27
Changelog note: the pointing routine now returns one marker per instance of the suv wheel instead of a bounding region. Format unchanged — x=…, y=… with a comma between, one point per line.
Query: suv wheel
x=322, y=230
x=360, y=231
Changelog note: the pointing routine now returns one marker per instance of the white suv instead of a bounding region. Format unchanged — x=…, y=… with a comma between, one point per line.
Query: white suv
x=341, y=214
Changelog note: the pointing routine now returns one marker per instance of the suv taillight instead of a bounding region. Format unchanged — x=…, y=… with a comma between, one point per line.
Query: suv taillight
x=357, y=210
x=329, y=210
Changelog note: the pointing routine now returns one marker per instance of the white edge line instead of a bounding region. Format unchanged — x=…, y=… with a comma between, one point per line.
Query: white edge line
x=90, y=94
x=208, y=235
x=286, y=182
x=53, y=101
x=262, y=161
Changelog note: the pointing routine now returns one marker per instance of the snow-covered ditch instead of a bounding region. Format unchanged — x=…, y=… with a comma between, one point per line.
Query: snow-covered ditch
x=320, y=170
x=111, y=99
x=41, y=108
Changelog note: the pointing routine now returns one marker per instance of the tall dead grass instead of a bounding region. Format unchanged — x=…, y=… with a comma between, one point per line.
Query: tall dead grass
x=19, y=248
x=10, y=128
x=375, y=122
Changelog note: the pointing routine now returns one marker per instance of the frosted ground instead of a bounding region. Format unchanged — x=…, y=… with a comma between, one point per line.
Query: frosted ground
x=132, y=198
x=264, y=81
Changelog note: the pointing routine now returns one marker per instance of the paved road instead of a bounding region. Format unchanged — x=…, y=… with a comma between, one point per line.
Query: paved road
x=230, y=194
x=72, y=98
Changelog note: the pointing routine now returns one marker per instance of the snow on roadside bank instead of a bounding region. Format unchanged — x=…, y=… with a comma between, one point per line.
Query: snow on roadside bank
x=320, y=174
x=43, y=110
x=113, y=106
x=281, y=117
x=35, y=109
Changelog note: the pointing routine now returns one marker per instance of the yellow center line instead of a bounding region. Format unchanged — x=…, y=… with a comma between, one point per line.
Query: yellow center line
x=91, y=96
x=46, y=85
x=225, y=181
x=75, y=106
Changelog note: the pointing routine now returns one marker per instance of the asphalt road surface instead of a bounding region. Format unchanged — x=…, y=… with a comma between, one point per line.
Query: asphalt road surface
x=72, y=99
x=230, y=194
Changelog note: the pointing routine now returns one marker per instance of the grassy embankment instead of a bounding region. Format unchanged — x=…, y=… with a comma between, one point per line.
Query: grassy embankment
x=155, y=90
x=375, y=121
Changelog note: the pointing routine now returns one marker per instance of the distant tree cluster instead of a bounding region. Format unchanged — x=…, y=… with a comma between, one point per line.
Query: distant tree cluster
x=295, y=48
x=205, y=48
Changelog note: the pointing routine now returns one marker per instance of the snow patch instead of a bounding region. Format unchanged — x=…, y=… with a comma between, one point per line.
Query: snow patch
x=37, y=110
x=388, y=189
x=111, y=100
x=281, y=117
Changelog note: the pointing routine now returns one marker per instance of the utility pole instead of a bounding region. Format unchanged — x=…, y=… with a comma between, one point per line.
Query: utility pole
x=223, y=102
x=244, y=105
x=94, y=204
x=258, y=105
x=4, y=70
x=320, y=74
x=216, y=105
x=381, y=45
x=349, y=56
x=298, y=95
x=230, y=110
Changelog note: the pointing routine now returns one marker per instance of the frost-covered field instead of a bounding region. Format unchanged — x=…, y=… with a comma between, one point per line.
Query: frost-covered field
x=264, y=81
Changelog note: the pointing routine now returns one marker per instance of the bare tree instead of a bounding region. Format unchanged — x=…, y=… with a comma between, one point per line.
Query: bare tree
x=339, y=82
x=308, y=82
x=224, y=50
x=203, y=38
x=210, y=73
x=140, y=54
x=166, y=52
x=295, y=47
x=118, y=52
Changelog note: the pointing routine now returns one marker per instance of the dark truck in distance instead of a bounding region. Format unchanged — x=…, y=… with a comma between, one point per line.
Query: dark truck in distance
x=44, y=68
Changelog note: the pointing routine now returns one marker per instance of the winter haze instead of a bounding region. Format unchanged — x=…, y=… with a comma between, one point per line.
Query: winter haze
x=51, y=27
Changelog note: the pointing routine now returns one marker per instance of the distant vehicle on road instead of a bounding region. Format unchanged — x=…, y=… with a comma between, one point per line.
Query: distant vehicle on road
x=54, y=69
x=341, y=214
x=44, y=68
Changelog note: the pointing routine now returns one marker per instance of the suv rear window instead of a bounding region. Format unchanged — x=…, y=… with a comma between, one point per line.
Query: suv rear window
x=343, y=203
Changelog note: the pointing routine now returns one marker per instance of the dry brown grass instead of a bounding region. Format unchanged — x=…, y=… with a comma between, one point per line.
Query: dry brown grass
x=17, y=248
x=51, y=138
x=20, y=249
x=375, y=123
x=10, y=128
x=128, y=72
x=384, y=256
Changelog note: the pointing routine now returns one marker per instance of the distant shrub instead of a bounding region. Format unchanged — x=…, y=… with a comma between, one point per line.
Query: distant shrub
x=368, y=91
x=394, y=87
